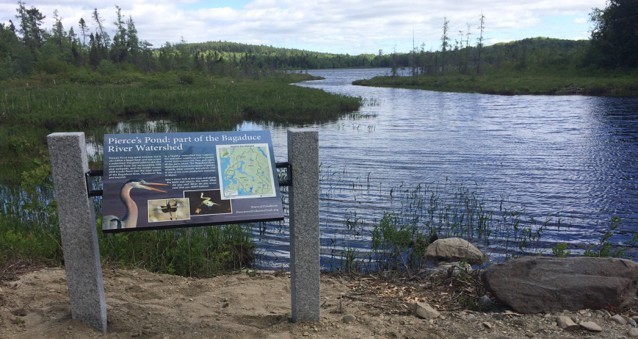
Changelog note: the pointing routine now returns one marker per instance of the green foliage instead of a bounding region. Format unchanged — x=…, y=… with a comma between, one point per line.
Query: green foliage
x=537, y=82
x=605, y=246
x=95, y=102
x=560, y=250
x=614, y=42
x=199, y=252
x=398, y=246
x=400, y=239
x=107, y=68
x=28, y=221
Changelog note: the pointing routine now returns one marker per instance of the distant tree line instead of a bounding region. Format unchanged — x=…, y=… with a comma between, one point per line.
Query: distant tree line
x=613, y=45
x=26, y=48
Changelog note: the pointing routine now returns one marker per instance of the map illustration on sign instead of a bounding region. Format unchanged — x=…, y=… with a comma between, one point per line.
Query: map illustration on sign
x=245, y=171
x=159, y=180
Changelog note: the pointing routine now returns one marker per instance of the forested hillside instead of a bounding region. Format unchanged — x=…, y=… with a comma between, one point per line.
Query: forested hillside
x=27, y=48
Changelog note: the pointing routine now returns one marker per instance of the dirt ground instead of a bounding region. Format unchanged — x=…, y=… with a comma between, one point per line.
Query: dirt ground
x=35, y=304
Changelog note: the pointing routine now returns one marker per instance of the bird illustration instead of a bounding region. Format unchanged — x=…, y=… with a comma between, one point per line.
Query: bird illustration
x=205, y=202
x=130, y=218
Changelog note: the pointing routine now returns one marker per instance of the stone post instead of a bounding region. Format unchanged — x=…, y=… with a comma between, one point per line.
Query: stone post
x=303, y=156
x=78, y=231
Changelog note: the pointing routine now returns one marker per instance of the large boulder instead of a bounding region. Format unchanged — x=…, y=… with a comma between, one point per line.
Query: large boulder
x=546, y=284
x=454, y=249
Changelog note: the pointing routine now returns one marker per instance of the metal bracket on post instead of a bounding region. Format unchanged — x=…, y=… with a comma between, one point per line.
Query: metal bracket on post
x=89, y=187
x=284, y=172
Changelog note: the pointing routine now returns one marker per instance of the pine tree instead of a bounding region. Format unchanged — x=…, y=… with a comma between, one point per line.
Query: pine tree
x=445, y=43
x=479, y=44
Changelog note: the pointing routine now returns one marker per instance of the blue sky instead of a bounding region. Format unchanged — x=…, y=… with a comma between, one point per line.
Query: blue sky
x=337, y=26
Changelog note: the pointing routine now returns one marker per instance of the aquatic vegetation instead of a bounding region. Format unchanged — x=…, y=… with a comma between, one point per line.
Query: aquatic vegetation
x=94, y=103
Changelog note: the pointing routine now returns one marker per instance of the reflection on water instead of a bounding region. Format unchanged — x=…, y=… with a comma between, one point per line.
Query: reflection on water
x=570, y=161
x=151, y=126
x=95, y=142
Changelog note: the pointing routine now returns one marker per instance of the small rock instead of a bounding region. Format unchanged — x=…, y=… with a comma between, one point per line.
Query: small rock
x=631, y=322
x=485, y=303
x=619, y=319
x=425, y=311
x=487, y=325
x=348, y=318
x=591, y=326
x=633, y=332
x=566, y=322
x=451, y=249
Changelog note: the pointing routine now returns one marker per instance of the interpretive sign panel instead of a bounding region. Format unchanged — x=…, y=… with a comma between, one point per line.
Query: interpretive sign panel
x=157, y=180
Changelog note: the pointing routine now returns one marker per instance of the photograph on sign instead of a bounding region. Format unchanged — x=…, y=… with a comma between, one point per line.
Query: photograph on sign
x=158, y=180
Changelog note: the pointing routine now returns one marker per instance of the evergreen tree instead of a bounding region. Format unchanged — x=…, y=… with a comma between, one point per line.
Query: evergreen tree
x=119, y=48
x=445, y=43
x=84, y=30
x=614, y=39
x=14, y=56
x=479, y=44
x=101, y=38
x=30, y=22
x=133, y=42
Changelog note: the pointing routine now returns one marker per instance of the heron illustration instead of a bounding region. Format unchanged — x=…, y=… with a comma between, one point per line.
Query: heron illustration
x=130, y=218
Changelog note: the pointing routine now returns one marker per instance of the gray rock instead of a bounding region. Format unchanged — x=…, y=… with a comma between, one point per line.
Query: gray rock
x=566, y=322
x=631, y=322
x=550, y=285
x=454, y=249
x=619, y=319
x=425, y=311
x=591, y=326
x=348, y=318
x=633, y=332
x=485, y=303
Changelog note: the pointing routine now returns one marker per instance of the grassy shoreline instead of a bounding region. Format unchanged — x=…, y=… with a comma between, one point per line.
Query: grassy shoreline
x=94, y=103
x=518, y=83
x=31, y=108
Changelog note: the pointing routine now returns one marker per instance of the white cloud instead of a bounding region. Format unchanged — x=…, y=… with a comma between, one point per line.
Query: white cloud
x=347, y=26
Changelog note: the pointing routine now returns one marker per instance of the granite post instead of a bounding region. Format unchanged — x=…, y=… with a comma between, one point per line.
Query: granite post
x=78, y=231
x=303, y=156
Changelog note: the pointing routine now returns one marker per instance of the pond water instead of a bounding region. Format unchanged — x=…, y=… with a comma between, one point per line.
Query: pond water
x=563, y=164
x=566, y=163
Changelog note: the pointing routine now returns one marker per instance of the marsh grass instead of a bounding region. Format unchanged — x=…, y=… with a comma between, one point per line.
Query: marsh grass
x=534, y=82
x=32, y=108
x=421, y=213
x=95, y=103
x=29, y=231
x=199, y=252
x=395, y=241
